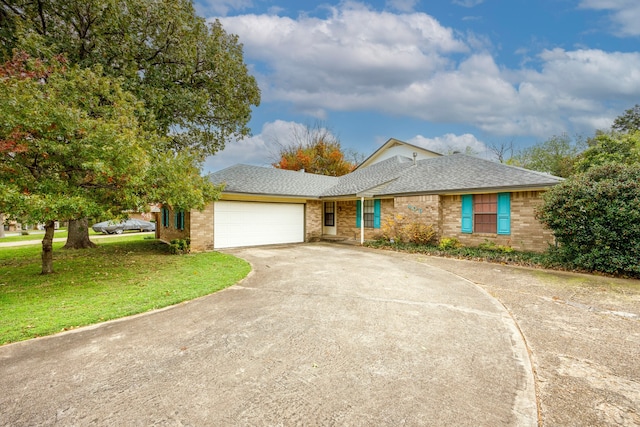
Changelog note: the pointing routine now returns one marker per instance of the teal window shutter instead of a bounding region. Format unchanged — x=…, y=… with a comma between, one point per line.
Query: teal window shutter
x=165, y=217
x=504, y=213
x=376, y=213
x=358, y=213
x=467, y=213
x=179, y=220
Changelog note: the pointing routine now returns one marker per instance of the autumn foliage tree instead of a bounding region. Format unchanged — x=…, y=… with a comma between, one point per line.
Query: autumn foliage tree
x=69, y=141
x=72, y=146
x=314, y=150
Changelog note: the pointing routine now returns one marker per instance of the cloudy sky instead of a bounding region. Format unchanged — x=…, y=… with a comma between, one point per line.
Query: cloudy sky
x=443, y=74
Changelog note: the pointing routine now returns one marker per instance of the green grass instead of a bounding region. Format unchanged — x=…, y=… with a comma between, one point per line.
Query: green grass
x=123, y=276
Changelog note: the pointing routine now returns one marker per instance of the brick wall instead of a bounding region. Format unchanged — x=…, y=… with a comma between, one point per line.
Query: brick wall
x=313, y=220
x=346, y=220
x=422, y=209
x=527, y=233
x=201, y=229
x=169, y=233
x=346, y=223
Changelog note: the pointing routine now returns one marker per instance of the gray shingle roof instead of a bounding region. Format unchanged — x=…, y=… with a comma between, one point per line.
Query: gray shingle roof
x=394, y=176
x=371, y=177
x=460, y=173
x=271, y=181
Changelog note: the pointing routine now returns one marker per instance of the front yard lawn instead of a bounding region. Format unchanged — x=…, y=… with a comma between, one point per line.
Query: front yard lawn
x=123, y=276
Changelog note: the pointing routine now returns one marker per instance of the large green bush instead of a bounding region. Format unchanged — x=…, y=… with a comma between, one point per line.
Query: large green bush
x=595, y=217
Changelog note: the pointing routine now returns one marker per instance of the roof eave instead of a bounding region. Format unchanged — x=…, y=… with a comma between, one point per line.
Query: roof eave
x=456, y=191
x=274, y=195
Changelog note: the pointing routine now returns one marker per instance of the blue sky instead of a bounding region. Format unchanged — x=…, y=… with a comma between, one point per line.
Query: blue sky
x=442, y=74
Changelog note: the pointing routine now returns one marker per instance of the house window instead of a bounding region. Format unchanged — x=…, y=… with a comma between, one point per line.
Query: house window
x=165, y=216
x=486, y=213
x=369, y=210
x=329, y=214
x=371, y=213
x=179, y=220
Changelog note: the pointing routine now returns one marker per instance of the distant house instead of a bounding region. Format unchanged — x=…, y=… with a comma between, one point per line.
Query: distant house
x=472, y=199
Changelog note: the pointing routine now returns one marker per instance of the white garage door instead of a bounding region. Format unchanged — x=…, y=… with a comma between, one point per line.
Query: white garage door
x=252, y=224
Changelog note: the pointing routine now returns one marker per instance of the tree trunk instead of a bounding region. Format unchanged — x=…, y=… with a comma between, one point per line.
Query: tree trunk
x=78, y=237
x=47, y=248
x=1, y=225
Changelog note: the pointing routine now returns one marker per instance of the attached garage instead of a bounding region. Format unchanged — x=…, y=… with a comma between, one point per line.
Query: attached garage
x=254, y=223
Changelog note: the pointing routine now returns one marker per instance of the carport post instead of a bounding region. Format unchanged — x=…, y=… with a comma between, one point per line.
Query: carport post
x=362, y=220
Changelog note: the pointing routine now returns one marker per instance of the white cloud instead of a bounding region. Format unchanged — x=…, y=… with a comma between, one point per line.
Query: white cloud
x=450, y=143
x=625, y=14
x=259, y=150
x=409, y=65
x=351, y=51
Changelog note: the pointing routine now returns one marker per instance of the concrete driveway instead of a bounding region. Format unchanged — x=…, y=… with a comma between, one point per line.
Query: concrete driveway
x=316, y=335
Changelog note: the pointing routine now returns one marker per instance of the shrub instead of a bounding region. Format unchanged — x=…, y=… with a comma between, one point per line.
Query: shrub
x=595, y=217
x=391, y=228
x=491, y=246
x=180, y=246
x=394, y=229
x=449, y=243
x=418, y=233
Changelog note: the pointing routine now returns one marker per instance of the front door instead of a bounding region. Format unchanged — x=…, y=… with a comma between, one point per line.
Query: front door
x=329, y=219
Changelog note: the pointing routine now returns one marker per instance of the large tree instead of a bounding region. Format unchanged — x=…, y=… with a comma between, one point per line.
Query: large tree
x=557, y=155
x=629, y=121
x=72, y=146
x=314, y=149
x=612, y=147
x=190, y=74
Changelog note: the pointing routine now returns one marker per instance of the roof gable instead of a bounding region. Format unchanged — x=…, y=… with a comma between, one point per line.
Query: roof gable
x=367, y=180
x=394, y=147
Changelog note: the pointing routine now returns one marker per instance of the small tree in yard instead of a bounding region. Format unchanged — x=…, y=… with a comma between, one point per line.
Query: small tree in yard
x=595, y=217
x=69, y=141
x=71, y=146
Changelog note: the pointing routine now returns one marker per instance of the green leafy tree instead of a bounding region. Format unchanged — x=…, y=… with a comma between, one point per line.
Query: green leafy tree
x=316, y=150
x=72, y=146
x=620, y=148
x=595, y=217
x=190, y=75
x=629, y=121
x=557, y=156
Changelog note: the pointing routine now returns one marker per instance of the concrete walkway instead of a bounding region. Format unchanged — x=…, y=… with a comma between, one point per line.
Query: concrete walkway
x=318, y=334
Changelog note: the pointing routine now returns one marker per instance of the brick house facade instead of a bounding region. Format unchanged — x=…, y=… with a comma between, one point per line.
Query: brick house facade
x=471, y=199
